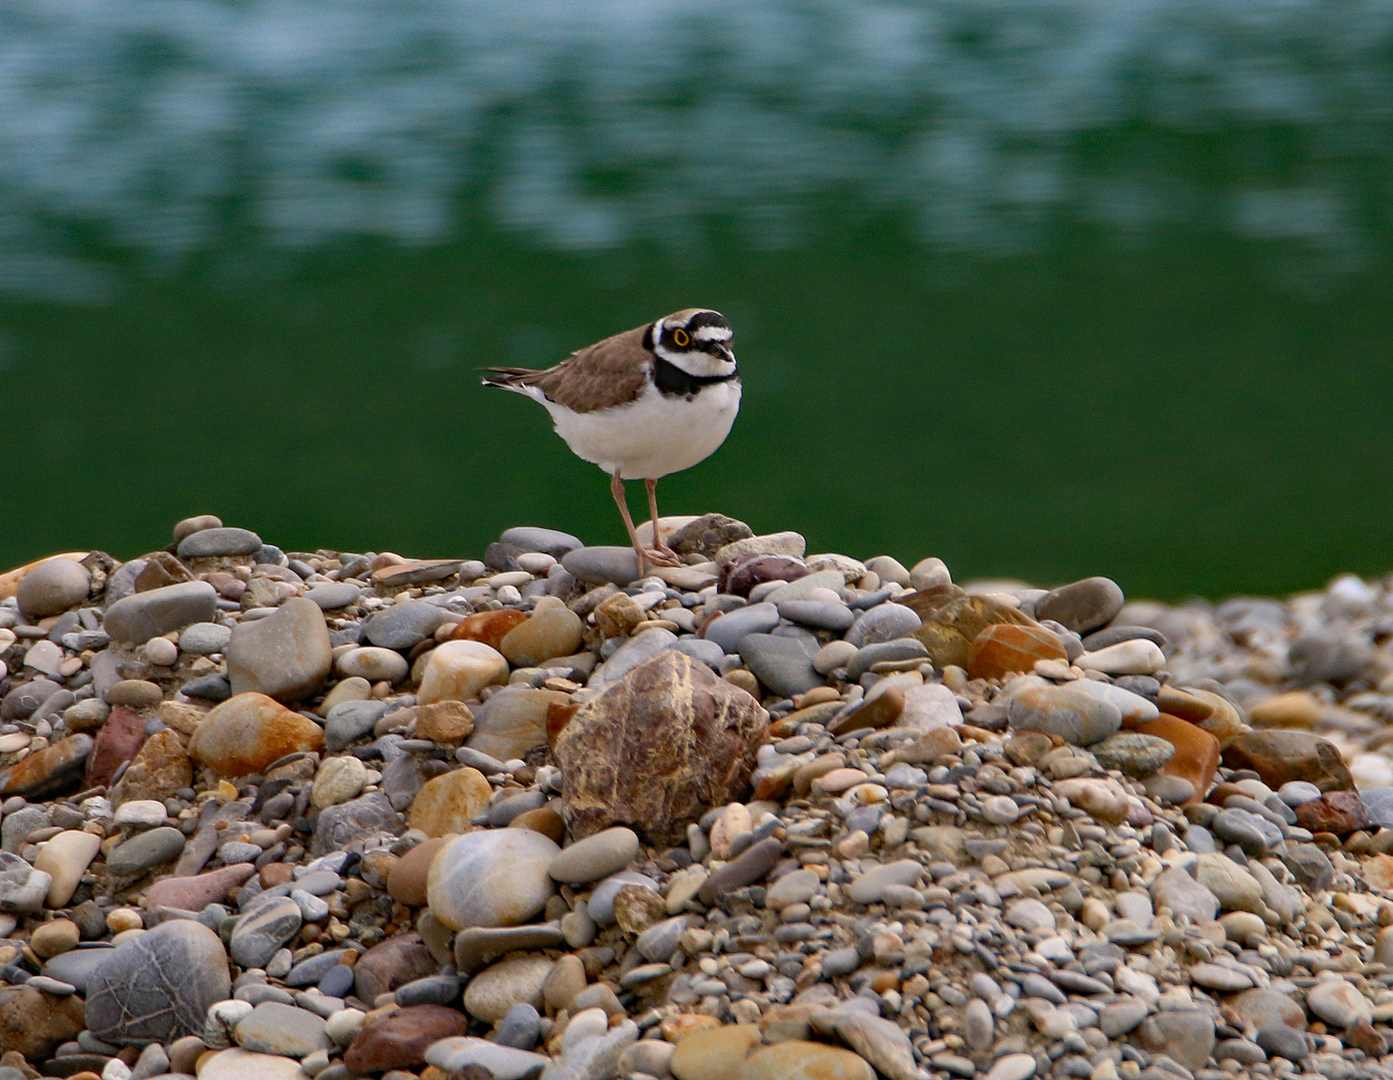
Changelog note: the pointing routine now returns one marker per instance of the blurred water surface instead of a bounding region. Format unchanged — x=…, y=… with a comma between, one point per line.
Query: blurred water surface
x=1047, y=287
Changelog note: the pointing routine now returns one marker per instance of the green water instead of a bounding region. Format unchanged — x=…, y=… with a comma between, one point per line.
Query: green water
x=1193, y=399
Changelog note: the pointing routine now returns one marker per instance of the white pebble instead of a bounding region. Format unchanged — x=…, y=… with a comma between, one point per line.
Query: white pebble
x=161, y=652
x=536, y=563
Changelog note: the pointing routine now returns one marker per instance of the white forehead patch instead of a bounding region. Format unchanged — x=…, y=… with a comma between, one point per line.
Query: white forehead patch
x=713, y=333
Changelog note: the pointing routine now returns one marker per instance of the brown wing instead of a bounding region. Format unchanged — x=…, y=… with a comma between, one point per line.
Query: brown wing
x=609, y=373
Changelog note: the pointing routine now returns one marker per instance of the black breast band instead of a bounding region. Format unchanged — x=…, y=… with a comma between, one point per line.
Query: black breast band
x=674, y=382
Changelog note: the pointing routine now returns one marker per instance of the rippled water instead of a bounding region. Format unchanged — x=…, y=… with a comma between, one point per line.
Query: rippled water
x=1048, y=287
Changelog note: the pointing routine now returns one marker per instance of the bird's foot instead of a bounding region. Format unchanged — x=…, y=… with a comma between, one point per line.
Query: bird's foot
x=656, y=556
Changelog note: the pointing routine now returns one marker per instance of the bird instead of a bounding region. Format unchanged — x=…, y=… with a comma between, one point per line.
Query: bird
x=651, y=401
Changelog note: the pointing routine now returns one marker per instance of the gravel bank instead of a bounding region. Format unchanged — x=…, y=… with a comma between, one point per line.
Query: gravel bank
x=764, y=816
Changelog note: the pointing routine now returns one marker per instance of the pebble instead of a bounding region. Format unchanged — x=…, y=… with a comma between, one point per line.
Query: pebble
x=52, y=587
x=491, y=878
x=910, y=829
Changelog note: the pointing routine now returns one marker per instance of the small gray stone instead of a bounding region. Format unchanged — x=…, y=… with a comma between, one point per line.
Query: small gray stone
x=1082, y=606
x=1255, y=835
x=141, y=616
x=1177, y=890
x=76, y=966
x=839, y=963
x=257, y=936
x=870, y=886
x=659, y=941
x=782, y=664
x=1278, y=1040
x=404, y=626
x=273, y=1028
x=203, y=638
x=223, y=541
x=1133, y=753
x=145, y=850
x=883, y=651
x=19, y=825
x=598, y=856
x=885, y=622
x=334, y=596
x=520, y=1028
x=632, y=653
x=732, y=627
x=600, y=906
x=522, y=539
x=350, y=720
x=432, y=990
x=821, y=614
x=340, y=825
x=159, y=986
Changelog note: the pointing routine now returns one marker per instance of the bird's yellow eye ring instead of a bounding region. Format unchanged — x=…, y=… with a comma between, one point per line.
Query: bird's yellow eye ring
x=681, y=338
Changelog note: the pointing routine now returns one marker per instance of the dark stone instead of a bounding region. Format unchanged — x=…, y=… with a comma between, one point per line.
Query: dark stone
x=739, y=578
x=1082, y=606
x=752, y=865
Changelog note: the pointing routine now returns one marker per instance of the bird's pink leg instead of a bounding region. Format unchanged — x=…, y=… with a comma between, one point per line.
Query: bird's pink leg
x=645, y=555
x=659, y=546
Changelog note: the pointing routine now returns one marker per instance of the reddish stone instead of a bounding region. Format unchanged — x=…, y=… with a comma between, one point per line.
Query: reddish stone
x=160, y=769
x=490, y=627
x=1279, y=755
x=406, y=882
x=1003, y=648
x=35, y=1024
x=390, y=963
x=1338, y=812
x=1182, y=704
x=118, y=742
x=196, y=893
x=739, y=578
x=399, y=1039
x=1196, y=757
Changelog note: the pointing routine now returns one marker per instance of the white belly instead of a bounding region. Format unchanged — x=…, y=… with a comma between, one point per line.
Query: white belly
x=654, y=435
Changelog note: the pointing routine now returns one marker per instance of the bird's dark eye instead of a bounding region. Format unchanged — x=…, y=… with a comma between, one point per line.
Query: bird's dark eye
x=681, y=338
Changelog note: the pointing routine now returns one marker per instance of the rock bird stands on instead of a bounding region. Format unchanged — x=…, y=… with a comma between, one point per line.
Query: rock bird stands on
x=650, y=401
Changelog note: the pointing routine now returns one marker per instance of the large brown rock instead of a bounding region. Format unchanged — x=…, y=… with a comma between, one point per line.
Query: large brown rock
x=34, y=1023
x=1278, y=756
x=117, y=742
x=247, y=732
x=658, y=749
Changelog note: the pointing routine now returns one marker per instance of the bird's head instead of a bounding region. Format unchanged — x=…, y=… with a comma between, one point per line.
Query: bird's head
x=696, y=340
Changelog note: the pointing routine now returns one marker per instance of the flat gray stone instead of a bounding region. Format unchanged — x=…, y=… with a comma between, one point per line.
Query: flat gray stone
x=732, y=627
x=224, y=541
x=340, y=825
x=273, y=1028
x=203, y=638
x=141, y=616
x=145, y=850
x=602, y=564
x=350, y=720
x=404, y=626
x=335, y=596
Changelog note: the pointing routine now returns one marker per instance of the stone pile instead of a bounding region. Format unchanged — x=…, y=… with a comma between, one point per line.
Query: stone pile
x=762, y=816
